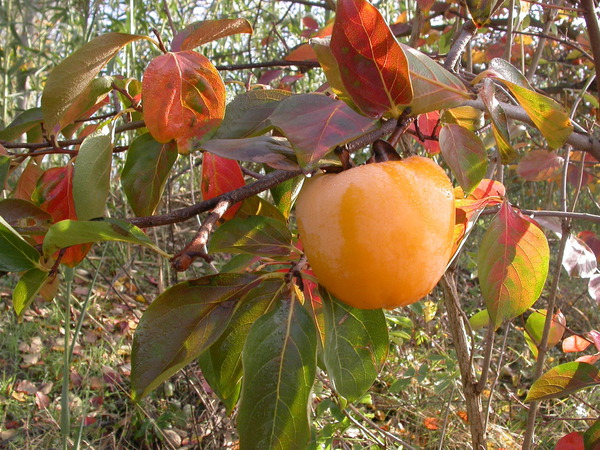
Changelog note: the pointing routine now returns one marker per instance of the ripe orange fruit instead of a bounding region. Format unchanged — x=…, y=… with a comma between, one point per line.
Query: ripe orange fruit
x=378, y=235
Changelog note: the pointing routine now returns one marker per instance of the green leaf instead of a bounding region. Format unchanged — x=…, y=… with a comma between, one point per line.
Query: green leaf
x=280, y=363
x=28, y=287
x=225, y=354
x=465, y=154
x=16, y=255
x=272, y=150
x=66, y=233
x=145, y=173
x=513, y=264
x=434, y=87
x=315, y=124
x=356, y=345
x=285, y=194
x=180, y=324
x=563, y=380
x=547, y=115
x=91, y=177
x=591, y=438
x=248, y=112
x=72, y=76
x=25, y=217
x=22, y=124
x=85, y=104
x=480, y=319
x=4, y=169
x=257, y=235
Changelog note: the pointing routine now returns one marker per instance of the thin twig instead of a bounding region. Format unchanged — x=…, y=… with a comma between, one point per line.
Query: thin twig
x=487, y=358
x=593, y=28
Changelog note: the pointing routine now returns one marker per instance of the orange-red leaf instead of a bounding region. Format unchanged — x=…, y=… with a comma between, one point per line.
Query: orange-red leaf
x=54, y=194
x=183, y=98
x=575, y=344
x=221, y=175
x=373, y=66
x=198, y=33
x=513, y=264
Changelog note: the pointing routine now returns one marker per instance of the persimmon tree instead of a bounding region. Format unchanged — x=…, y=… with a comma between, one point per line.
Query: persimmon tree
x=261, y=327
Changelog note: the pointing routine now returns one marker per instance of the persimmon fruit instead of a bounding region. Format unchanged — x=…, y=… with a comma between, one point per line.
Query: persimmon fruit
x=378, y=235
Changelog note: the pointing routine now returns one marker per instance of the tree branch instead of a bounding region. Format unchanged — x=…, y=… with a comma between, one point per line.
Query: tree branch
x=578, y=140
x=467, y=32
x=266, y=182
x=593, y=29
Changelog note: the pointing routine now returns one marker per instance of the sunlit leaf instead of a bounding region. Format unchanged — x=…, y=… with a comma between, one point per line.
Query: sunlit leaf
x=226, y=353
x=575, y=344
x=180, y=324
x=464, y=152
x=22, y=124
x=327, y=61
x=355, y=348
x=303, y=52
x=280, y=363
x=66, y=233
x=183, y=98
x=25, y=217
x=466, y=116
x=480, y=319
x=563, y=380
x=198, y=33
x=257, y=235
x=512, y=263
x=578, y=259
x=315, y=124
x=534, y=327
x=468, y=210
x=429, y=127
x=272, y=150
x=434, y=87
x=147, y=168
x=91, y=178
x=547, y=115
x=540, y=165
x=499, y=122
x=219, y=176
x=16, y=255
x=248, y=112
x=72, y=76
x=28, y=287
x=372, y=65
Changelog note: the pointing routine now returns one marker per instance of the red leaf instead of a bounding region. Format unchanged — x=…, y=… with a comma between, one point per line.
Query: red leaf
x=183, y=98
x=428, y=123
x=304, y=52
x=310, y=23
x=513, y=264
x=28, y=180
x=221, y=175
x=571, y=441
x=540, y=165
x=54, y=194
x=373, y=66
